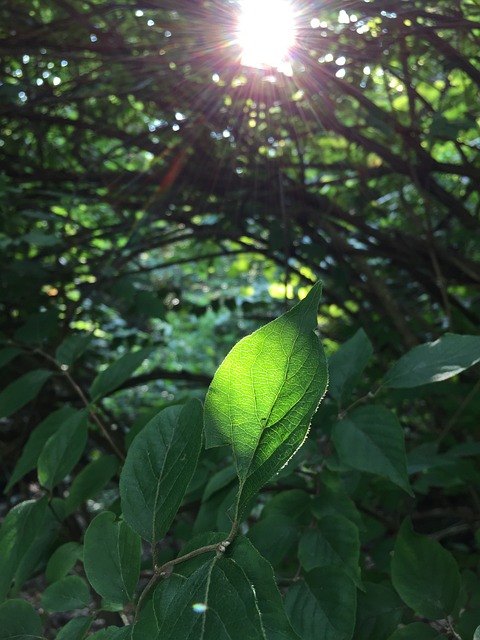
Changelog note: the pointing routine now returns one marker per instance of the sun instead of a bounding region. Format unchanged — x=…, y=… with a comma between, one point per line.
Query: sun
x=266, y=33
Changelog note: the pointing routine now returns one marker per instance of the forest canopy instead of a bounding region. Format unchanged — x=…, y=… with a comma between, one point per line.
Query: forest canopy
x=163, y=195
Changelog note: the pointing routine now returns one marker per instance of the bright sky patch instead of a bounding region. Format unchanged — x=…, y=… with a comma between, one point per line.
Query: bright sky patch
x=266, y=33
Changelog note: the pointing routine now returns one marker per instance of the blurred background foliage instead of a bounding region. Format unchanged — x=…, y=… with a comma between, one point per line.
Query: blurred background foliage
x=156, y=193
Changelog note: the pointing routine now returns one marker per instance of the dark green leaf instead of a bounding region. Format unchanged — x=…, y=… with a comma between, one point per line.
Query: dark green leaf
x=417, y=631
x=274, y=548
x=21, y=391
x=379, y=611
x=121, y=370
x=19, y=530
x=434, y=361
x=371, y=439
x=334, y=542
x=347, y=364
x=72, y=348
x=216, y=601
x=66, y=594
x=112, y=553
x=19, y=621
x=323, y=605
x=264, y=394
x=8, y=354
x=75, y=629
x=62, y=560
x=39, y=328
x=90, y=481
x=160, y=463
x=269, y=600
x=425, y=574
x=35, y=443
x=63, y=450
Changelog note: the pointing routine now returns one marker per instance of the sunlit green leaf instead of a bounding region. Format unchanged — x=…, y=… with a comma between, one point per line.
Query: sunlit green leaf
x=265, y=393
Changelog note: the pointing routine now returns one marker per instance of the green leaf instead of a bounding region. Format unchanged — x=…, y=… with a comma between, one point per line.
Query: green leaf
x=424, y=574
x=112, y=633
x=476, y=635
x=371, y=439
x=269, y=601
x=216, y=601
x=19, y=530
x=112, y=554
x=160, y=463
x=379, y=611
x=121, y=370
x=19, y=393
x=66, y=594
x=274, y=548
x=63, y=450
x=72, y=348
x=418, y=631
x=62, y=560
x=347, y=364
x=323, y=605
x=75, y=629
x=264, y=394
x=90, y=481
x=35, y=443
x=8, y=354
x=39, y=328
x=334, y=542
x=434, y=361
x=19, y=621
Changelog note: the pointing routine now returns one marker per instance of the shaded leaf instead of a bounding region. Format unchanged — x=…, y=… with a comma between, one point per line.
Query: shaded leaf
x=216, y=601
x=434, y=361
x=72, y=348
x=264, y=394
x=62, y=560
x=35, y=443
x=63, y=450
x=334, y=542
x=19, y=530
x=269, y=601
x=371, y=439
x=424, y=574
x=19, y=393
x=121, y=370
x=112, y=553
x=323, y=605
x=379, y=611
x=66, y=594
x=417, y=631
x=160, y=463
x=75, y=629
x=19, y=621
x=90, y=481
x=347, y=364
x=8, y=354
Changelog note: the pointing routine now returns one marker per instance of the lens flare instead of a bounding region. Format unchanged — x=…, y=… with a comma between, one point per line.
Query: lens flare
x=267, y=33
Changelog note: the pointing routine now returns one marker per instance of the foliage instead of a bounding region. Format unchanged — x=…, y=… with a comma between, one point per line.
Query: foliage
x=167, y=473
